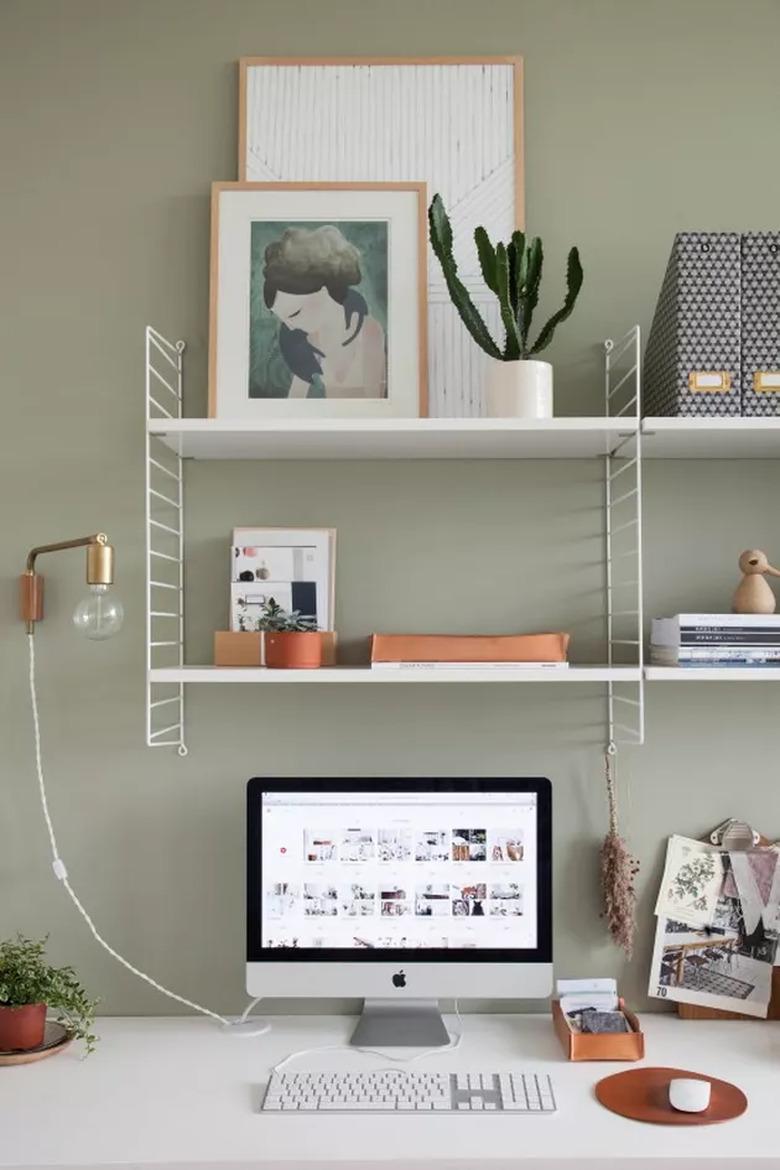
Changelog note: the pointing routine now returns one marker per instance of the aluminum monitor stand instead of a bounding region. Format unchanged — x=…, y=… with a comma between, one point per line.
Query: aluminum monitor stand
x=390, y=1023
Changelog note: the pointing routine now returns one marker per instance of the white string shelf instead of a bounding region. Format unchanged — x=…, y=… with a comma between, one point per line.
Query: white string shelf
x=712, y=674
x=364, y=674
x=403, y=438
x=711, y=438
x=170, y=439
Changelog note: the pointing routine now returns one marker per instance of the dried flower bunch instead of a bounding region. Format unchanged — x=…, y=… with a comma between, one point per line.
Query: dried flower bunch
x=618, y=873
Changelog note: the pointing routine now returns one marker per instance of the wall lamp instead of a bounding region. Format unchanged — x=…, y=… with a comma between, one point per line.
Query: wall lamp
x=99, y=614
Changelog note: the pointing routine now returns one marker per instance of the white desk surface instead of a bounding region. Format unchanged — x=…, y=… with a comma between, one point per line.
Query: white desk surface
x=182, y=1093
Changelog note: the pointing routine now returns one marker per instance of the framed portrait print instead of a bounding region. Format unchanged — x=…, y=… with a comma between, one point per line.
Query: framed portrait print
x=318, y=306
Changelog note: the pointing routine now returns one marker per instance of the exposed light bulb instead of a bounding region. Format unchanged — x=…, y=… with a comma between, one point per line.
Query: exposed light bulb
x=99, y=614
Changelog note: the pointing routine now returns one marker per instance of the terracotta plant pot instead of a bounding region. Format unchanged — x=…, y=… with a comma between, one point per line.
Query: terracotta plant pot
x=22, y=1028
x=293, y=651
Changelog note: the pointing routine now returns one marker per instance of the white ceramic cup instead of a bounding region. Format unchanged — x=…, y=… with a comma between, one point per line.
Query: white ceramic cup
x=689, y=1095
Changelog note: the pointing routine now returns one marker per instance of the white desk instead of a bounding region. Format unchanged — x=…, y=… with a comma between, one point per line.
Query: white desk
x=181, y=1093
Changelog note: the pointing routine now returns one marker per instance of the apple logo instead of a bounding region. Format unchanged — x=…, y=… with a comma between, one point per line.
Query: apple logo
x=399, y=979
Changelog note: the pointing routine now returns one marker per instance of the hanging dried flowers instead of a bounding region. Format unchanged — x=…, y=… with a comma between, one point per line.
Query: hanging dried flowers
x=618, y=872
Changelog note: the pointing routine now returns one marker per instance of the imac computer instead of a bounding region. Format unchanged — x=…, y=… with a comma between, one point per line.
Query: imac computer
x=399, y=892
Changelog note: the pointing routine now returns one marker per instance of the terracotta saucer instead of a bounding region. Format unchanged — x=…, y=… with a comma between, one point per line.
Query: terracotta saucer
x=643, y=1095
x=55, y=1039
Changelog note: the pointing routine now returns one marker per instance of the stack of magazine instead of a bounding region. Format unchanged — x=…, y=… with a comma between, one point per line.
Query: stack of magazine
x=716, y=639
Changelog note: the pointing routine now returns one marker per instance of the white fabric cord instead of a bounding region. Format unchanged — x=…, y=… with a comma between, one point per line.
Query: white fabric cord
x=453, y=1044
x=61, y=872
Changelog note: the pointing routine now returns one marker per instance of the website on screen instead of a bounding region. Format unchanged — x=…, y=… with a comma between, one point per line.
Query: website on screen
x=405, y=869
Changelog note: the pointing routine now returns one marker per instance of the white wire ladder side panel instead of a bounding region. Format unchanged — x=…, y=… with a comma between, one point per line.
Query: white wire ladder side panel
x=623, y=536
x=164, y=505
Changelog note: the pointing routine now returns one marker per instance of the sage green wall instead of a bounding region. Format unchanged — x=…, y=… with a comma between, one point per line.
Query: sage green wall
x=642, y=119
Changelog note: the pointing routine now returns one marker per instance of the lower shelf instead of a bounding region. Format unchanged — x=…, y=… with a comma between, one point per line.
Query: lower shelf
x=363, y=674
x=712, y=673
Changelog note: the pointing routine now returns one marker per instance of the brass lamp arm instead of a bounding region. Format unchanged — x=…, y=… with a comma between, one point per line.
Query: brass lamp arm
x=98, y=538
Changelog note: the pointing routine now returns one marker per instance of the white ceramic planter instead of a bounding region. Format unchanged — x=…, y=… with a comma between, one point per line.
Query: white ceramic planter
x=519, y=390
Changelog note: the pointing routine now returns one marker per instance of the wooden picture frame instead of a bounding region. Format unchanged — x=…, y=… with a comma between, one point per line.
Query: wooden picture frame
x=372, y=118
x=406, y=359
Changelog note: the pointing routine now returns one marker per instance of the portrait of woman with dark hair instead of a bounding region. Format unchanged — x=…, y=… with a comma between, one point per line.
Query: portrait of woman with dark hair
x=318, y=310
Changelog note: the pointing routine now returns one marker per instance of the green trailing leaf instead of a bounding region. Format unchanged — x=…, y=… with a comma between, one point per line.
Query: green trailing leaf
x=513, y=273
x=512, y=349
x=441, y=242
x=487, y=258
x=573, y=286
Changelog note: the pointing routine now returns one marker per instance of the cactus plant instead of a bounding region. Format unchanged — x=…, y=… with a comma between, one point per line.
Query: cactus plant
x=513, y=272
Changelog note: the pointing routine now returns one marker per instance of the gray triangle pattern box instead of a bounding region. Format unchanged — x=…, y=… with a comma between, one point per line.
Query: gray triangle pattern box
x=761, y=323
x=692, y=360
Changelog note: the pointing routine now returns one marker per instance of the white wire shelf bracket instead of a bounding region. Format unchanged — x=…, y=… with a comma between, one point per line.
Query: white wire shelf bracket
x=623, y=543
x=164, y=578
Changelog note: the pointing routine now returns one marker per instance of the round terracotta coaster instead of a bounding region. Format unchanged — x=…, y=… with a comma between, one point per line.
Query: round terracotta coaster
x=55, y=1039
x=643, y=1095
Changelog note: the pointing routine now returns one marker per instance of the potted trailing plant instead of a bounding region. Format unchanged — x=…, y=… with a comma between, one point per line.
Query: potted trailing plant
x=518, y=384
x=29, y=986
x=292, y=640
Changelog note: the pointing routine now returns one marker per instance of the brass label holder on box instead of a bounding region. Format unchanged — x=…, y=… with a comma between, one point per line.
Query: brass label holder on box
x=766, y=381
x=709, y=381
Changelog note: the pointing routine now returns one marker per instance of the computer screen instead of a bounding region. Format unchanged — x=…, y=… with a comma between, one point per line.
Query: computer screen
x=400, y=866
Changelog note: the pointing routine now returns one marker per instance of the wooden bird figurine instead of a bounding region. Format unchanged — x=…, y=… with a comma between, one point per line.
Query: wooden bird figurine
x=753, y=594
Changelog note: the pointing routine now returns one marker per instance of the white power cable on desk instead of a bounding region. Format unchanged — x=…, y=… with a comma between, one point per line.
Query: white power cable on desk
x=453, y=1044
x=60, y=870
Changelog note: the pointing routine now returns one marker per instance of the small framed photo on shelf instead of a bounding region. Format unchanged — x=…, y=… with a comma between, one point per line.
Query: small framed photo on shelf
x=294, y=566
x=318, y=300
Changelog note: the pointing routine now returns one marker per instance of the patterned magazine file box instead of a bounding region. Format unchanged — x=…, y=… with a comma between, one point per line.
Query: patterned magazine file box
x=761, y=323
x=692, y=360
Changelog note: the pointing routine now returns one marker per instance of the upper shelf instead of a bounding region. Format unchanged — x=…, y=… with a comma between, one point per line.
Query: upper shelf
x=467, y=438
x=711, y=438
x=403, y=438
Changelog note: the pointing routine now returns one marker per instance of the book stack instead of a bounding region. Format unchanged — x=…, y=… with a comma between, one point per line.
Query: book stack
x=431, y=652
x=716, y=639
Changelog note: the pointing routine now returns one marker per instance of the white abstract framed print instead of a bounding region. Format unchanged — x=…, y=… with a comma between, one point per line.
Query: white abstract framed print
x=318, y=305
x=454, y=122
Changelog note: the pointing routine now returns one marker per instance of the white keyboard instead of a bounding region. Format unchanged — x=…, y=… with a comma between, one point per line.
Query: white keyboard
x=393, y=1091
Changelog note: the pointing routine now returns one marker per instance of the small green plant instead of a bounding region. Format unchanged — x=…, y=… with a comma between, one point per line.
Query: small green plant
x=274, y=618
x=513, y=272
x=26, y=977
